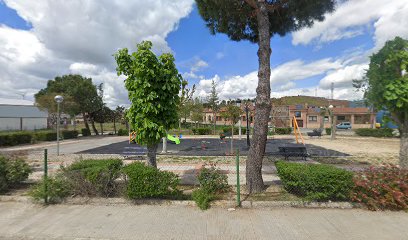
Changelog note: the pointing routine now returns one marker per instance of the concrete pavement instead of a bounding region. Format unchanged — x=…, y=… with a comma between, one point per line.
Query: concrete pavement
x=27, y=221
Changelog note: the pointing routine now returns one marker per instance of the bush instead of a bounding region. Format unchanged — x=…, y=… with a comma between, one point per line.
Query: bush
x=58, y=188
x=283, y=131
x=13, y=139
x=328, y=131
x=149, y=182
x=201, y=131
x=123, y=132
x=202, y=198
x=368, y=132
x=68, y=134
x=236, y=130
x=17, y=170
x=45, y=136
x=94, y=177
x=315, y=181
x=86, y=132
x=12, y=171
x=212, y=180
x=382, y=188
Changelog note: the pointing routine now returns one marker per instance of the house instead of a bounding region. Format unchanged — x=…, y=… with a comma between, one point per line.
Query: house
x=18, y=114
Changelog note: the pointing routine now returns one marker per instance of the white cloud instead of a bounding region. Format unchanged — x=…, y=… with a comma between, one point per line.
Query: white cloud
x=283, y=77
x=342, y=78
x=195, y=65
x=80, y=37
x=351, y=17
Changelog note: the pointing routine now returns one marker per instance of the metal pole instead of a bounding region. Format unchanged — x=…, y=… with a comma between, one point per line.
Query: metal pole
x=240, y=131
x=45, y=176
x=332, y=125
x=238, y=182
x=164, y=150
x=58, y=123
x=247, y=123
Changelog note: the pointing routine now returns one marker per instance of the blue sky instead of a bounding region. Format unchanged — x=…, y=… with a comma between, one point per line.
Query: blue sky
x=42, y=39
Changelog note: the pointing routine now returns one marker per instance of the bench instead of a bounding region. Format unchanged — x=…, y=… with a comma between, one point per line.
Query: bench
x=293, y=151
x=315, y=133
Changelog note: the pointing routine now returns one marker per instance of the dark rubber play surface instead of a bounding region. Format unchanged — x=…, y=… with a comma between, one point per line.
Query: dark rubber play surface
x=209, y=147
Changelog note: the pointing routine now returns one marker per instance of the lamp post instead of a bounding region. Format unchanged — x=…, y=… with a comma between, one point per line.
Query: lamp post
x=333, y=129
x=238, y=103
x=59, y=100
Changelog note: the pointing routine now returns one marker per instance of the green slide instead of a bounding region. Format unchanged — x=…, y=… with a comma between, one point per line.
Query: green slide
x=173, y=139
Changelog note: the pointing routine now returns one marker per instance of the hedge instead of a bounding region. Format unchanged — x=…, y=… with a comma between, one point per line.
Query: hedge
x=123, y=132
x=85, y=132
x=315, y=181
x=17, y=138
x=283, y=131
x=328, y=131
x=369, y=132
x=236, y=130
x=201, y=131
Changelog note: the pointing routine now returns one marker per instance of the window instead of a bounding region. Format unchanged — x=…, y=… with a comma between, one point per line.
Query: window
x=326, y=118
x=312, y=118
x=298, y=114
x=341, y=118
x=219, y=118
x=243, y=118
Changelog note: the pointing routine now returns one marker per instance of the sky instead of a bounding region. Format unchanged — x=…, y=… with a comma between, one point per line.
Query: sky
x=42, y=39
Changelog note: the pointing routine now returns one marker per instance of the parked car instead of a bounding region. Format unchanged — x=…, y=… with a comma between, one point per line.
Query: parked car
x=344, y=125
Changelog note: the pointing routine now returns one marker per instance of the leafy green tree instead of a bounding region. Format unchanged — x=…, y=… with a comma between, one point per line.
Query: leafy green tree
x=258, y=21
x=233, y=113
x=386, y=87
x=153, y=84
x=118, y=115
x=103, y=115
x=197, y=111
x=214, y=102
x=186, y=102
x=84, y=95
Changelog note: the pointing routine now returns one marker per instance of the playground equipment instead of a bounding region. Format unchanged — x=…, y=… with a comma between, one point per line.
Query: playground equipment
x=132, y=137
x=297, y=132
x=173, y=139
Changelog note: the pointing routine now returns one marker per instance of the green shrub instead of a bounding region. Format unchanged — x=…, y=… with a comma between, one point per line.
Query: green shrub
x=58, y=188
x=328, y=131
x=85, y=132
x=369, y=132
x=3, y=173
x=315, y=181
x=123, y=132
x=201, y=131
x=17, y=170
x=202, y=198
x=68, y=134
x=382, y=188
x=94, y=177
x=46, y=136
x=12, y=171
x=236, y=130
x=16, y=138
x=283, y=131
x=212, y=180
x=148, y=182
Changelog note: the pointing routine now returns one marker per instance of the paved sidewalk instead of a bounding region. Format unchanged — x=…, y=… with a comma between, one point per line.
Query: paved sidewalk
x=26, y=221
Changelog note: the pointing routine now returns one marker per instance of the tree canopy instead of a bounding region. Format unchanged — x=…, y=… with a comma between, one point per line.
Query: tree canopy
x=153, y=85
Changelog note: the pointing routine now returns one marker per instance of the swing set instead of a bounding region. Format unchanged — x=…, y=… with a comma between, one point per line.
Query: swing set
x=297, y=132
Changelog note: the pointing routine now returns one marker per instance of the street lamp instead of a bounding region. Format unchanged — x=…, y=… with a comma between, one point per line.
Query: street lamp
x=238, y=103
x=247, y=103
x=333, y=129
x=59, y=100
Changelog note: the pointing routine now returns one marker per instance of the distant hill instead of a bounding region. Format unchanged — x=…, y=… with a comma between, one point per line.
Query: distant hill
x=309, y=101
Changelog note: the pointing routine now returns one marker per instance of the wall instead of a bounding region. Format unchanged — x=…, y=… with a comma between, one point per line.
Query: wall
x=7, y=124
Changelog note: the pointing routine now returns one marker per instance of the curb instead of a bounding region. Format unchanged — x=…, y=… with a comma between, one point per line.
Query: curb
x=219, y=203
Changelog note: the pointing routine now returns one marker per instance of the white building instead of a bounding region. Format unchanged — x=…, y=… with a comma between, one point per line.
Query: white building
x=16, y=114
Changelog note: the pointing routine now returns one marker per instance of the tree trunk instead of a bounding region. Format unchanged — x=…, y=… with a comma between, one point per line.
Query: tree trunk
x=179, y=126
x=86, y=121
x=232, y=139
x=101, y=124
x=254, y=179
x=93, y=126
x=403, y=157
x=151, y=155
x=322, y=122
x=215, y=122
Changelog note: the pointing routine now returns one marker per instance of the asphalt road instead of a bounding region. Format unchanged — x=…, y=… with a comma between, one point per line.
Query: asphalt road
x=27, y=221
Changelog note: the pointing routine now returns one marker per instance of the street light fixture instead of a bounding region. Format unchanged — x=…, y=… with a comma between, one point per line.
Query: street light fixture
x=58, y=99
x=333, y=129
